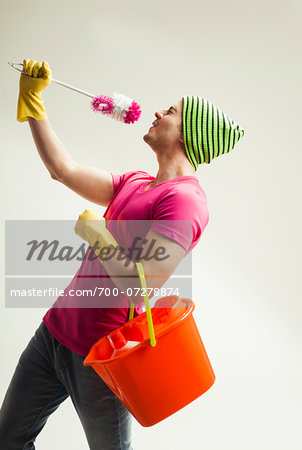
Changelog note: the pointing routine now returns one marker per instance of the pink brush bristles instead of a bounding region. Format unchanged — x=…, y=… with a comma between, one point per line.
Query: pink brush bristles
x=121, y=108
x=133, y=113
x=97, y=104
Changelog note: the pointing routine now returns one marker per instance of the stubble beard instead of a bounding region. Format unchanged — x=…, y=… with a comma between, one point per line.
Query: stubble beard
x=146, y=138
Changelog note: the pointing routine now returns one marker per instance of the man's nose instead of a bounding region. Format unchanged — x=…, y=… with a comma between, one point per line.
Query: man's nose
x=158, y=115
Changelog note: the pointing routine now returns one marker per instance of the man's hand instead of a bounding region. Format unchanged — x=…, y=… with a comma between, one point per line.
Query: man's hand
x=30, y=101
x=92, y=228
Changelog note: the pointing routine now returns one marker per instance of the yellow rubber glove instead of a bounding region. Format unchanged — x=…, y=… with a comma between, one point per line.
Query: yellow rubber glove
x=30, y=101
x=92, y=228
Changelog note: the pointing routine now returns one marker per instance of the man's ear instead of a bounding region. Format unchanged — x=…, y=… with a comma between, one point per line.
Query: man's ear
x=182, y=141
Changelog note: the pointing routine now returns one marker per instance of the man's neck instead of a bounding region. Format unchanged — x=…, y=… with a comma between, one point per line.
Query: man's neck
x=168, y=172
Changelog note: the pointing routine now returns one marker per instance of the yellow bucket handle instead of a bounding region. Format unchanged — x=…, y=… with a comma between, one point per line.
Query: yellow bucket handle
x=141, y=274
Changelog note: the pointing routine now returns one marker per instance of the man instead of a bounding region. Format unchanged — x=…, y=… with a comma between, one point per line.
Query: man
x=188, y=133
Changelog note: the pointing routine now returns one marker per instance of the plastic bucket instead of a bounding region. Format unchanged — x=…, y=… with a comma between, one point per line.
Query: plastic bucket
x=154, y=382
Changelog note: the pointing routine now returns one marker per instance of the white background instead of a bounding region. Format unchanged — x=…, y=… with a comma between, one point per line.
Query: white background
x=243, y=57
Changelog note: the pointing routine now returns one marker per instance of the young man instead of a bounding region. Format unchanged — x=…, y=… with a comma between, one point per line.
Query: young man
x=188, y=133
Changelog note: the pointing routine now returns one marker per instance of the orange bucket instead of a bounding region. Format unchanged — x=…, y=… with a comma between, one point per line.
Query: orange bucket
x=155, y=381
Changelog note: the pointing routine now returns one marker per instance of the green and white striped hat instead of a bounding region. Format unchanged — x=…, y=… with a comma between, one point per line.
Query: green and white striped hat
x=207, y=131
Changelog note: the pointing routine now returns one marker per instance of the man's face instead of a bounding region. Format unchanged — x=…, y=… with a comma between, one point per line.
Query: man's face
x=166, y=128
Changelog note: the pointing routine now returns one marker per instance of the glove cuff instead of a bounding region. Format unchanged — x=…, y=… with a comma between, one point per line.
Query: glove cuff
x=30, y=104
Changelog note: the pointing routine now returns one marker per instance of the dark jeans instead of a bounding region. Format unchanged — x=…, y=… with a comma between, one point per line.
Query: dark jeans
x=46, y=374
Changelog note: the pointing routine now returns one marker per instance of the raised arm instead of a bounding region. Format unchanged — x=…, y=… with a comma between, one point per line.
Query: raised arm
x=94, y=184
x=91, y=183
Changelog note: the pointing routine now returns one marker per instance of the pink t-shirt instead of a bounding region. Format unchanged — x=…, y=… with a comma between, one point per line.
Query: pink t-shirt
x=176, y=200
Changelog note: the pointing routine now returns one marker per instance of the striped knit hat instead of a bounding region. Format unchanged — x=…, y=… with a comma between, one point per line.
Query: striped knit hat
x=207, y=131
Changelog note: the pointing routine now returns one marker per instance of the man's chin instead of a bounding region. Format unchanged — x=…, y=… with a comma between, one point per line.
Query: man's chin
x=146, y=137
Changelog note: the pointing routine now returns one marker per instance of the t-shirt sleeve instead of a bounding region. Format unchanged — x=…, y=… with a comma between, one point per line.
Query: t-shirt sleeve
x=181, y=216
x=120, y=179
x=117, y=180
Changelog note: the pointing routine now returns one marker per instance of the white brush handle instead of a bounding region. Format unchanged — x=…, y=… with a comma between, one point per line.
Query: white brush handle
x=72, y=88
x=56, y=81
